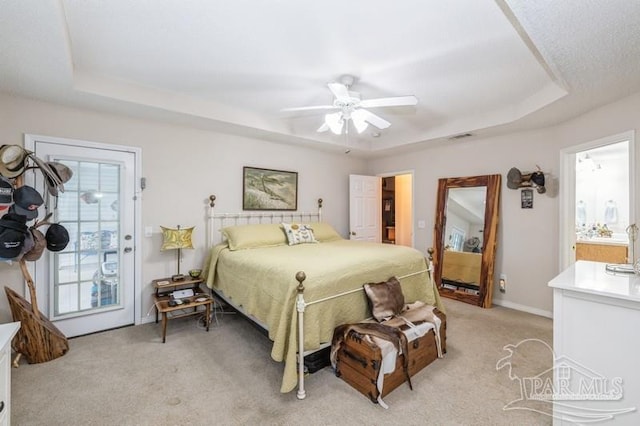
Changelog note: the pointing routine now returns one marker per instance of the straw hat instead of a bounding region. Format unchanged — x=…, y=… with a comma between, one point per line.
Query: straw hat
x=13, y=160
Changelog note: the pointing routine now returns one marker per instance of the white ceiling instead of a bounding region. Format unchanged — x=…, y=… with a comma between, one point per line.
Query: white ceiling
x=476, y=66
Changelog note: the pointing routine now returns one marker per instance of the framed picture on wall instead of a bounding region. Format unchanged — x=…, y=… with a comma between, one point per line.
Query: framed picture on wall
x=526, y=198
x=266, y=189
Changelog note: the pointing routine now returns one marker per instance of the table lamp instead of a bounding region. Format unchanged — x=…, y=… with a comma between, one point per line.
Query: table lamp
x=178, y=238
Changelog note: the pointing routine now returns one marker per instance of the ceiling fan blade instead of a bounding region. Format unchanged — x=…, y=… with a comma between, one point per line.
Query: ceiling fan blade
x=340, y=91
x=373, y=119
x=323, y=128
x=308, y=108
x=395, y=101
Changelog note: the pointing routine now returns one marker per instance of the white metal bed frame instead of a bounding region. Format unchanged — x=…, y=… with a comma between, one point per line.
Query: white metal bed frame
x=245, y=218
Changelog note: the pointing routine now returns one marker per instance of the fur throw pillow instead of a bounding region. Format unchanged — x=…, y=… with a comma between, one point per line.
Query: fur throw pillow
x=385, y=298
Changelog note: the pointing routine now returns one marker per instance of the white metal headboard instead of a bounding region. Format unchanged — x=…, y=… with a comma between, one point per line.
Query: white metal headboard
x=217, y=221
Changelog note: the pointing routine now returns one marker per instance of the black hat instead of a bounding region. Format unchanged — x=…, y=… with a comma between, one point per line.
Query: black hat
x=6, y=193
x=27, y=200
x=538, y=179
x=13, y=230
x=57, y=237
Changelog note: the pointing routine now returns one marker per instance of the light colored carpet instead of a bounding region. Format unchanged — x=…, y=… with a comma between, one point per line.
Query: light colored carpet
x=226, y=376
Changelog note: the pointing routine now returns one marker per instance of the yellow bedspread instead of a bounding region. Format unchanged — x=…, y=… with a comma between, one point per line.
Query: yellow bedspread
x=262, y=281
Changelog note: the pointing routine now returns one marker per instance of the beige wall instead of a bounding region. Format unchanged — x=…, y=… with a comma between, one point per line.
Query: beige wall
x=182, y=166
x=527, y=238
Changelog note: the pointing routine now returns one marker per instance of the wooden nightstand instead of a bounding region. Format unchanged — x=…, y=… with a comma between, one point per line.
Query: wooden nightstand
x=163, y=289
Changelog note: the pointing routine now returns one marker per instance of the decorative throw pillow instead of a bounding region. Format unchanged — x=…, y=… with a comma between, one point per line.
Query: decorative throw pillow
x=298, y=233
x=385, y=298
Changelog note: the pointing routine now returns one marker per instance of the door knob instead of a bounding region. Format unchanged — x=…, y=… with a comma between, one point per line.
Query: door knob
x=127, y=249
x=127, y=237
x=353, y=233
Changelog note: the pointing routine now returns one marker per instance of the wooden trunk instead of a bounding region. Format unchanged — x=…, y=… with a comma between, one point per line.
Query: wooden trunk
x=359, y=361
x=38, y=340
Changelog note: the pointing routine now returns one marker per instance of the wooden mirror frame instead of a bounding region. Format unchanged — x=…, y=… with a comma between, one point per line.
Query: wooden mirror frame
x=492, y=182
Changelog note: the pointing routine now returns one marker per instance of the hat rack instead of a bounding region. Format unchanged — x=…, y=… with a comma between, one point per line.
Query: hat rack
x=19, y=181
x=38, y=339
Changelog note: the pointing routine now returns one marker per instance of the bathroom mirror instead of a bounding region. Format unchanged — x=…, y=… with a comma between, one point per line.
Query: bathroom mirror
x=465, y=237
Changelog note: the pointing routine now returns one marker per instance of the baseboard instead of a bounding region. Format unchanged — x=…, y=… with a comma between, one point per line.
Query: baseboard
x=524, y=308
x=147, y=319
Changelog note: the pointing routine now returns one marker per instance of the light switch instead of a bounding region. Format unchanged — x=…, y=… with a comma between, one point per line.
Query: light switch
x=421, y=224
x=148, y=231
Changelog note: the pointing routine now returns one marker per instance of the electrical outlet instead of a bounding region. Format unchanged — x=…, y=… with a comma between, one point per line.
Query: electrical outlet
x=503, y=283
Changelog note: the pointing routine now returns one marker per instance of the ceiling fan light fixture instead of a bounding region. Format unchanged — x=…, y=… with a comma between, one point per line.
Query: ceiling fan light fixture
x=359, y=121
x=351, y=107
x=361, y=126
x=335, y=122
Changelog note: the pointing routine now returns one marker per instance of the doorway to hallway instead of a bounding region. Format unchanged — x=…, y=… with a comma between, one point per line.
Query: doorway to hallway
x=397, y=209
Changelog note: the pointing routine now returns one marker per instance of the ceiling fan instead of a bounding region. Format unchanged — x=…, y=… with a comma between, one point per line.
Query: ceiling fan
x=351, y=107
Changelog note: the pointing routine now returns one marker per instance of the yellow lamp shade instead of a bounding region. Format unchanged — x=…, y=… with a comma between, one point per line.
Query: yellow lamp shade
x=179, y=238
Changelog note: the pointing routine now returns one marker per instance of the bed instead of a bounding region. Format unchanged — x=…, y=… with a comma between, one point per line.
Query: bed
x=300, y=293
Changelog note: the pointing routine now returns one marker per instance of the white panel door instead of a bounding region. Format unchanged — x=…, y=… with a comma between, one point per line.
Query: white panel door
x=90, y=285
x=365, y=208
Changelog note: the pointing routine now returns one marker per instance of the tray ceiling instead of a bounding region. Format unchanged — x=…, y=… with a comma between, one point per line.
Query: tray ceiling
x=476, y=67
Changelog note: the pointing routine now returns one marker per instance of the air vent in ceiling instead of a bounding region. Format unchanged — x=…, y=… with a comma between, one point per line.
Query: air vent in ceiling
x=460, y=136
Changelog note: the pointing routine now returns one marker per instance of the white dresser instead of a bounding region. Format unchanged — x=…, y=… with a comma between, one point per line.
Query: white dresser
x=596, y=339
x=7, y=331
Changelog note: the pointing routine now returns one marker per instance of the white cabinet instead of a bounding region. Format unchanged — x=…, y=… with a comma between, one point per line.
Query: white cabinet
x=7, y=331
x=596, y=342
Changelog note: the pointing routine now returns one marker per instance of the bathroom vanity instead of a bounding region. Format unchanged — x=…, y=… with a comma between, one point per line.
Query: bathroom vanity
x=601, y=250
x=596, y=342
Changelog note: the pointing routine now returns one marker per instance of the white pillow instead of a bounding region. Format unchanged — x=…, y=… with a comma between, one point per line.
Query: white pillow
x=298, y=233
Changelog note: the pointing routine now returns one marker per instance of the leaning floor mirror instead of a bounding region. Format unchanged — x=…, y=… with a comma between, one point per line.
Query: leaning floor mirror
x=465, y=237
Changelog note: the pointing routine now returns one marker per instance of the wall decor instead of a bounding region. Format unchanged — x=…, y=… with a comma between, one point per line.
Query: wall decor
x=266, y=189
x=526, y=198
x=516, y=179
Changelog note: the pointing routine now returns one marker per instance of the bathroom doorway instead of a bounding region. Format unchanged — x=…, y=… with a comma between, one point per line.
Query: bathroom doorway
x=596, y=205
